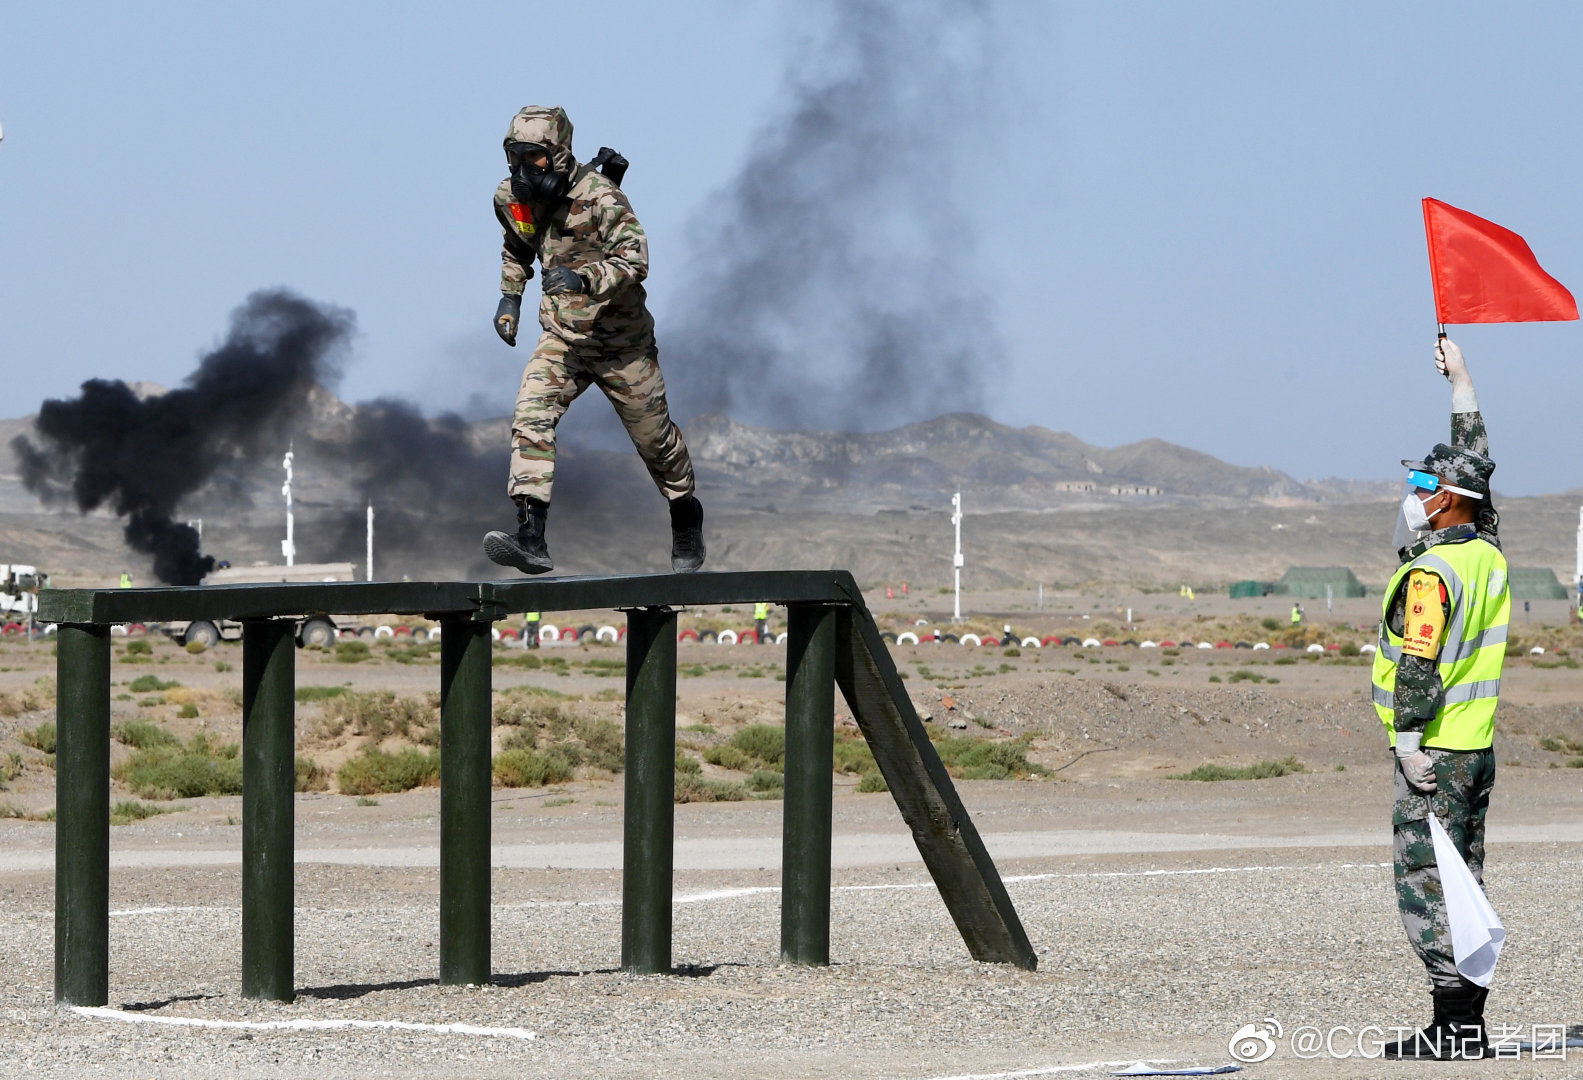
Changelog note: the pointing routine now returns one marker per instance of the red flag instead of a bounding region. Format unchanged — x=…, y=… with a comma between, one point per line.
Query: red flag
x=1483, y=273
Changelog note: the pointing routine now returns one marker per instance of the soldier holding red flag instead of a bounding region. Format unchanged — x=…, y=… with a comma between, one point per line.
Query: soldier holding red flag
x=1436, y=681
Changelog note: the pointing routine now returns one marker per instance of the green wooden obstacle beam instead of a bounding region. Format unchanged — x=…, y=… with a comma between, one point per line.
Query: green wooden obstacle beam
x=946, y=837
x=82, y=818
x=649, y=816
x=806, y=812
x=495, y=599
x=269, y=657
x=464, y=801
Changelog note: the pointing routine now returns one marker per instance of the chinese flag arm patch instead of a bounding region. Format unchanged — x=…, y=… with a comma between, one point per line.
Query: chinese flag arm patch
x=521, y=218
x=1424, y=623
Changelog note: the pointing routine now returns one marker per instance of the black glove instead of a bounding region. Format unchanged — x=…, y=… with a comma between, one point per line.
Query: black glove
x=507, y=316
x=563, y=279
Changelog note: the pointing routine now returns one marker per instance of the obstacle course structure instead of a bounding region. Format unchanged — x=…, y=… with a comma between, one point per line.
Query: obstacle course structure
x=832, y=641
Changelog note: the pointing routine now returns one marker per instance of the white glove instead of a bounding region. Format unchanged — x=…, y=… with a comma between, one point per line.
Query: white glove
x=1450, y=363
x=1417, y=766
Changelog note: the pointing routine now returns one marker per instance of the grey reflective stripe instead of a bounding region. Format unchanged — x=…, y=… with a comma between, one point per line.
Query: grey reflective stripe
x=1393, y=653
x=1459, y=611
x=1494, y=635
x=1457, y=695
x=1472, y=691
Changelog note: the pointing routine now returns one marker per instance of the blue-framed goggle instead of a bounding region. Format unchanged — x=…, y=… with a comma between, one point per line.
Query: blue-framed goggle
x=1429, y=482
x=1423, y=481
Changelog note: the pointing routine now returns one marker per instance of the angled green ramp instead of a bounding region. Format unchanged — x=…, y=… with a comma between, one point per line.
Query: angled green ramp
x=950, y=845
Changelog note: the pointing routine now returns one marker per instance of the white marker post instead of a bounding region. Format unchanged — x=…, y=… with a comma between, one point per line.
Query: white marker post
x=1578, y=580
x=288, y=546
x=370, y=575
x=956, y=559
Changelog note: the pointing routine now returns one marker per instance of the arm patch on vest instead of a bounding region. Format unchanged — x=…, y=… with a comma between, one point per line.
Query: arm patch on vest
x=1424, y=621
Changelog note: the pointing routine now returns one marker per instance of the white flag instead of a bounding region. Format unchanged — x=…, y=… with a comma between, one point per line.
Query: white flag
x=1476, y=931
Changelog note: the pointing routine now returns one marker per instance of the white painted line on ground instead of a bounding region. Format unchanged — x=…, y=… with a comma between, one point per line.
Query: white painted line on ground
x=1051, y=1070
x=96, y=1013
x=759, y=890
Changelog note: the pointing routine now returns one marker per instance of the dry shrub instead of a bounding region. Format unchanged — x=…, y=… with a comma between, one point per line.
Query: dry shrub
x=374, y=772
x=41, y=695
x=378, y=714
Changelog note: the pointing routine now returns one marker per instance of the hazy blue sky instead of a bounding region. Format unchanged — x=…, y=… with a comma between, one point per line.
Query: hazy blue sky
x=1194, y=221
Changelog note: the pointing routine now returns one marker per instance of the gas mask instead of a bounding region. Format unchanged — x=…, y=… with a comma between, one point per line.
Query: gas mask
x=533, y=180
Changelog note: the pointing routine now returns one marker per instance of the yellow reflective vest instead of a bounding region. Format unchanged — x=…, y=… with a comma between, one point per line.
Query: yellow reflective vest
x=1472, y=649
x=761, y=611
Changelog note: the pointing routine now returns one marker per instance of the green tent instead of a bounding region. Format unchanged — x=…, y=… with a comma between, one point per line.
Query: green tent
x=1535, y=583
x=1310, y=582
x=1244, y=590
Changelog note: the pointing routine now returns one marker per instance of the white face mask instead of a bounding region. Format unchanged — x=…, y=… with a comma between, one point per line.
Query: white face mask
x=1413, y=521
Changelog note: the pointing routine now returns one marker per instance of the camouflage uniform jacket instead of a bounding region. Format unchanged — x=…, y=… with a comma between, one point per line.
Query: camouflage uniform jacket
x=1418, y=678
x=592, y=230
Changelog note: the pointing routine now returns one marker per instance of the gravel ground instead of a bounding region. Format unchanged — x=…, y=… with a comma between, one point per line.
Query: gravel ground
x=1166, y=915
x=1156, y=954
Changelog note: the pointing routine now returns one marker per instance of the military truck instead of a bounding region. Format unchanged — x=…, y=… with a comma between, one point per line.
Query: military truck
x=19, y=585
x=319, y=630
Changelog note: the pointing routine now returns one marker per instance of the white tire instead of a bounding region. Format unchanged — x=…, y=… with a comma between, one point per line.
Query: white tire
x=549, y=632
x=607, y=633
x=906, y=637
x=118, y=630
x=1316, y=648
x=384, y=631
x=1148, y=645
x=1260, y=645
x=494, y=633
x=1091, y=643
x=780, y=638
x=727, y=637
x=1537, y=650
x=972, y=639
x=1030, y=643
x=1368, y=650
x=1205, y=645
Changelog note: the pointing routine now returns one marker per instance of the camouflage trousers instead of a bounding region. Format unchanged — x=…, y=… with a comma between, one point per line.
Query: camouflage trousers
x=1464, y=779
x=556, y=375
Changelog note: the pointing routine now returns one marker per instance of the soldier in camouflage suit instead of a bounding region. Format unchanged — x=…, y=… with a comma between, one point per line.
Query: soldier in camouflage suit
x=597, y=330
x=1454, y=785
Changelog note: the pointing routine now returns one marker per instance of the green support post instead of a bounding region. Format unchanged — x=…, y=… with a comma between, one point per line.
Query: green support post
x=464, y=801
x=806, y=812
x=269, y=657
x=82, y=811
x=648, y=818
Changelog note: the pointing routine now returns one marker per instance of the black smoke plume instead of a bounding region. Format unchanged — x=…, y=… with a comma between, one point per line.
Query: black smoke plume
x=833, y=282
x=142, y=456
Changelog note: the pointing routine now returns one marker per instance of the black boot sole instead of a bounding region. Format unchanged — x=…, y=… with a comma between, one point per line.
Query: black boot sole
x=503, y=549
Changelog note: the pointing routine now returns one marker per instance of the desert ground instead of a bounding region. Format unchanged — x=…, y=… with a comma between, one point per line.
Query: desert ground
x=1166, y=912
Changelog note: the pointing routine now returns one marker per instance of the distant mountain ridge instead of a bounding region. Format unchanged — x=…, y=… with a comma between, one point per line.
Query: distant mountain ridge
x=998, y=466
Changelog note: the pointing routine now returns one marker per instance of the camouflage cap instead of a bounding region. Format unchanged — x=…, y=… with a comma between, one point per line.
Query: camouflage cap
x=1456, y=466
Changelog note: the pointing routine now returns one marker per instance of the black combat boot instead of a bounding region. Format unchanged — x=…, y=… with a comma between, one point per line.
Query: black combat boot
x=1455, y=1034
x=524, y=550
x=687, y=534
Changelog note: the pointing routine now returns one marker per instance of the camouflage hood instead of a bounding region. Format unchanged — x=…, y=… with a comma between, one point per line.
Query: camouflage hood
x=549, y=127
